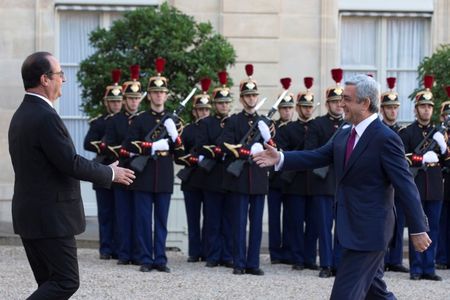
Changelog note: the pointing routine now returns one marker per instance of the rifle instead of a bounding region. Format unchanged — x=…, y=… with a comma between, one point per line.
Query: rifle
x=428, y=144
x=322, y=172
x=236, y=167
x=140, y=161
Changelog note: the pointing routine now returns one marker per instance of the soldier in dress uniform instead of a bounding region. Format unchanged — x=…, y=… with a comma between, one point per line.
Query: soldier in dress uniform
x=443, y=248
x=153, y=186
x=295, y=184
x=116, y=131
x=191, y=185
x=278, y=235
x=428, y=178
x=323, y=180
x=393, y=261
x=247, y=186
x=95, y=142
x=217, y=225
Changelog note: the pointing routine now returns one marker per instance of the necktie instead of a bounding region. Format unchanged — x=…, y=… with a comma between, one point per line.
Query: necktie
x=350, y=145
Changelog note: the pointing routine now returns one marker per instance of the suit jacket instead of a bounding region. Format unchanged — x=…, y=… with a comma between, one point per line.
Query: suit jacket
x=47, y=200
x=365, y=186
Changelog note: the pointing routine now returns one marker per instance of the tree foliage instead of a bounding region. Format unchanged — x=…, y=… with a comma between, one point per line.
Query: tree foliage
x=192, y=50
x=438, y=65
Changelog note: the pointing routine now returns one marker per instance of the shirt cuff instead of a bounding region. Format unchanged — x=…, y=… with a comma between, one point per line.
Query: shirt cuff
x=113, y=174
x=280, y=163
x=417, y=233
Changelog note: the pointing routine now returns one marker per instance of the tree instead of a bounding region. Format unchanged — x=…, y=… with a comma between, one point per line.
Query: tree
x=437, y=65
x=192, y=50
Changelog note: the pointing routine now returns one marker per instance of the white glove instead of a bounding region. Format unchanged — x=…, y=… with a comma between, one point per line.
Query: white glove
x=430, y=157
x=171, y=129
x=265, y=131
x=160, y=145
x=256, y=148
x=439, y=138
x=200, y=158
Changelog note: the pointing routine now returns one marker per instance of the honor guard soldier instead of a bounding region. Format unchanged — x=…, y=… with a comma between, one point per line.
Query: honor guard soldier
x=393, y=261
x=243, y=136
x=443, y=248
x=278, y=235
x=116, y=131
x=419, y=139
x=323, y=180
x=295, y=184
x=153, y=186
x=217, y=213
x=95, y=142
x=193, y=179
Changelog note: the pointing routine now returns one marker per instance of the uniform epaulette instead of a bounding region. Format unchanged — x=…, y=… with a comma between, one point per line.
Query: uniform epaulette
x=95, y=118
x=139, y=113
x=401, y=128
x=284, y=123
x=109, y=116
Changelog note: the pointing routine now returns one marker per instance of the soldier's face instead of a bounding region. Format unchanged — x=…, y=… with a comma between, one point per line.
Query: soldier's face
x=424, y=112
x=334, y=108
x=250, y=101
x=158, y=98
x=201, y=113
x=114, y=106
x=286, y=113
x=390, y=112
x=222, y=108
x=305, y=112
x=132, y=103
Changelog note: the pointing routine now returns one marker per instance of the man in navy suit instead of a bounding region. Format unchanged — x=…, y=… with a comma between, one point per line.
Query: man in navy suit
x=369, y=163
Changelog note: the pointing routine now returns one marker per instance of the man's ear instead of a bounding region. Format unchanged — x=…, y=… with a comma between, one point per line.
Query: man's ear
x=44, y=80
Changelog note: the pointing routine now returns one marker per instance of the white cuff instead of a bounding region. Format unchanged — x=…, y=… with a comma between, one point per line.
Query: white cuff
x=113, y=174
x=280, y=163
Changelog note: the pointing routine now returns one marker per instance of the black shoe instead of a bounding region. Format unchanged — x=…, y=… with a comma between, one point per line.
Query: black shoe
x=433, y=277
x=325, y=273
x=227, y=264
x=135, y=263
x=333, y=271
x=441, y=267
x=123, y=262
x=193, y=259
x=237, y=271
x=105, y=256
x=311, y=267
x=211, y=264
x=162, y=268
x=415, y=276
x=397, y=268
x=254, y=271
x=146, y=268
x=114, y=256
x=298, y=267
x=275, y=261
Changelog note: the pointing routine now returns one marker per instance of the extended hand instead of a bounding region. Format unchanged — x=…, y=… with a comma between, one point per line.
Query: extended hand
x=122, y=175
x=421, y=242
x=268, y=157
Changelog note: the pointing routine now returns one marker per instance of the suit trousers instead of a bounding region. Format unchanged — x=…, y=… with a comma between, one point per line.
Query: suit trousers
x=360, y=276
x=54, y=265
x=251, y=207
x=151, y=242
x=193, y=201
x=218, y=233
x=278, y=233
x=106, y=221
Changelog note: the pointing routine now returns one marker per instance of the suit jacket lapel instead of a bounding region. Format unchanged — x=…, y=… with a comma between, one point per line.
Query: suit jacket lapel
x=362, y=144
x=340, y=146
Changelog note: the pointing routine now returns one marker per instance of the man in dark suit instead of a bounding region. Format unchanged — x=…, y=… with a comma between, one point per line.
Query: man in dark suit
x=47, y=208
x=369, y=163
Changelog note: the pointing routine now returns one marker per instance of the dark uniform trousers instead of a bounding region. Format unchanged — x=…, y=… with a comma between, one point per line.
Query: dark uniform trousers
x=443, y=247
x=55, y=266
x=278, y=233
x=194, y=201
x=429, y=184
x=106, y=224
x=394, y=254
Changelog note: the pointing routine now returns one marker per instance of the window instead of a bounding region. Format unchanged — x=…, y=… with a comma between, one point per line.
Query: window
x=388, y=45
x=73, y=46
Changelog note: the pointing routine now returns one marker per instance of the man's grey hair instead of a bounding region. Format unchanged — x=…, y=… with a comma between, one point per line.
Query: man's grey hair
x=366, y=88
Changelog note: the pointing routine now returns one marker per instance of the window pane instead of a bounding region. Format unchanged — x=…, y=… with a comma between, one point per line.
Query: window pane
x=70, y=101
x=74, y=35
x=407, y=42
x=406, y=83
x=359, y=41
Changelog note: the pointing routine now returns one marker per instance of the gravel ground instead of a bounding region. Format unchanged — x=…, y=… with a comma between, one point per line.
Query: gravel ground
x=102, y=279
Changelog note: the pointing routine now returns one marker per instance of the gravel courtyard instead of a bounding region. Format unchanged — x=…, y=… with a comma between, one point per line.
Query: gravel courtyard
x=106, y=280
